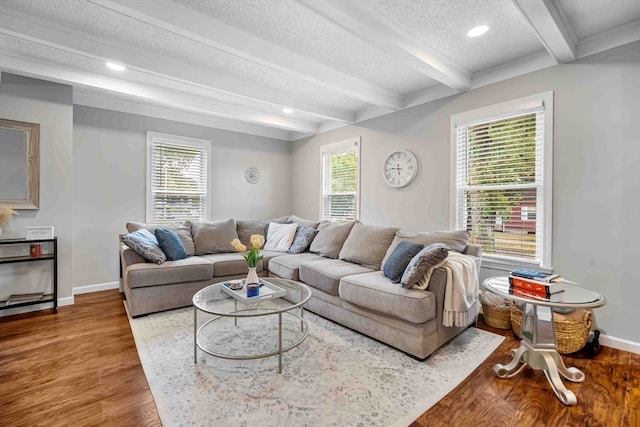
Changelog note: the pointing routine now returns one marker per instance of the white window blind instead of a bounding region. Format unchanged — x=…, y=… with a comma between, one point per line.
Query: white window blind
x=340, y=181
x=177, y=187
x=503, y=182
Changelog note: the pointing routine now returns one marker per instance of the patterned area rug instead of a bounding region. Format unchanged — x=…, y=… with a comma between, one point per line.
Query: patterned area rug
x=336, y=377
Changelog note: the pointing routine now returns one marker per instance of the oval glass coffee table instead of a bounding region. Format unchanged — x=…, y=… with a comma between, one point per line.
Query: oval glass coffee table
x=538, y=345
x=238, y=328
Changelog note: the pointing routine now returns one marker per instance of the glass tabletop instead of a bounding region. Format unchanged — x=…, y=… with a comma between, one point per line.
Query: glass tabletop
x=213, y=300
x=573, y=296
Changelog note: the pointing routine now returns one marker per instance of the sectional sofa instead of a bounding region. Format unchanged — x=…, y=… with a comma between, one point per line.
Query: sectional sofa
x=342, y=265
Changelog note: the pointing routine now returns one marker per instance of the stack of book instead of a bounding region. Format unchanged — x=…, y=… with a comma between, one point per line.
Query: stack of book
x=536, y=284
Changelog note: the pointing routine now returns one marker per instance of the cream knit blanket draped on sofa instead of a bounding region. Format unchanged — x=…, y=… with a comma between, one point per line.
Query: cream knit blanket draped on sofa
x=462, y=290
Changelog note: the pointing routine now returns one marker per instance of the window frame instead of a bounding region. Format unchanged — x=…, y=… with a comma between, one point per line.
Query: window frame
x=335, y=147
x=494, y=112
x=183, y=141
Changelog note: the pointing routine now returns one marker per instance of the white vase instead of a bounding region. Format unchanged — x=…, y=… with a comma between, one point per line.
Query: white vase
x=252, y=276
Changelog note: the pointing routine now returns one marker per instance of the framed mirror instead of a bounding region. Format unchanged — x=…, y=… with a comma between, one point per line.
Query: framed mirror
x=19, y=164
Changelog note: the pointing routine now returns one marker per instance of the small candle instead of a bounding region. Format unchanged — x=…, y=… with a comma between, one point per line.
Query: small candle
x=253, y=290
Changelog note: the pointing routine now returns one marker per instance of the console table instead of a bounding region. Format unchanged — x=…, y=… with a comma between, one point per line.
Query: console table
x=538, y=345
x=52, y=257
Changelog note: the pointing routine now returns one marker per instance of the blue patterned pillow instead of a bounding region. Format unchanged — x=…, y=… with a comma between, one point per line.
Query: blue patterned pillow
x=302, y=240
x=399, y=259
x=171, y=244
x=145, y=244
x=426, y=259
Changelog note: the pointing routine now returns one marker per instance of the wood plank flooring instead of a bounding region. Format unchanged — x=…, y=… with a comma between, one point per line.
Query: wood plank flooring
x=80, y=367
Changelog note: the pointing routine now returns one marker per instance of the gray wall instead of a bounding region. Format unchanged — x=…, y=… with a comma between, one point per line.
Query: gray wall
x=109, y=162
x=50, y=105
x=596, y=203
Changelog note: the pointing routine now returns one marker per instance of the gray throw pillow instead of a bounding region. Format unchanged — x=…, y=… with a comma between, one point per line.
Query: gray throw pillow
x=455, y=240
x=330, y=238
x=399, y=259
x=182, y=229
x=145, y=244
x=303, y=238
x=367, y=245
x=248, y=228
x=214, y=237
x=306, y=222
x=425, y=260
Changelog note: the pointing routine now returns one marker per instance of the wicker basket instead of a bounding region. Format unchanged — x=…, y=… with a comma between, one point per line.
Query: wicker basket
x=572, y=330
x=498, y=317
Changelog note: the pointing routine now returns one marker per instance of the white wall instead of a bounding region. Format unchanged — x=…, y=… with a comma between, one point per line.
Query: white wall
x=50, y=105
x=596, y=180
x=109, y=161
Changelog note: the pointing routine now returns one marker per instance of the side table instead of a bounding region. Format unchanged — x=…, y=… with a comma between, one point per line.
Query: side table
x=538, y=345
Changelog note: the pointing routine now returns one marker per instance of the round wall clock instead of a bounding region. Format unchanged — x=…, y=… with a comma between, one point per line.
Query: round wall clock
x=252, y=175
x=400, y=168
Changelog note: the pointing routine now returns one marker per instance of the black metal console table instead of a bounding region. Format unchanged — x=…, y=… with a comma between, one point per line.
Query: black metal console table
x=47, y=297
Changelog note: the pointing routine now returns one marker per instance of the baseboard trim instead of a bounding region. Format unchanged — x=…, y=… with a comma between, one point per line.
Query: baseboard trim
x=65, y=301
x=95, y=288
x=619, y=343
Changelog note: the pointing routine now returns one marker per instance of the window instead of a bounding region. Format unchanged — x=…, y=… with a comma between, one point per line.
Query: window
x=340, y=180
x=177, y=178
x=502, y=157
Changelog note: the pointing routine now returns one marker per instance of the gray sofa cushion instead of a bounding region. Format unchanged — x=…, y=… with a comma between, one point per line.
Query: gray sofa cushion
x=311, y=223
x=367, y=245
x=454, y=240
x=181, y=271
x=376, y=292
x=330, y=238
x=182, y=229
x=326, y=274
x=246, y=229
x=287, y=266
x=229, y=264
x=424, y=261
x=213, y=237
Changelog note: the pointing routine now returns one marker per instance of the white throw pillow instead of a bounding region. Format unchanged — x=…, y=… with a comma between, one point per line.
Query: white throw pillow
x=280, y=236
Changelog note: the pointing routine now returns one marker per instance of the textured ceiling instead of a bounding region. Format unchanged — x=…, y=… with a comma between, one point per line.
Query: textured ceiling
x=236, y=63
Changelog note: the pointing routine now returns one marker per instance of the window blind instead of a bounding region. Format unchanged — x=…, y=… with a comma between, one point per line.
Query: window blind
x=500, y=183
x=340, y=183
x=178, y=182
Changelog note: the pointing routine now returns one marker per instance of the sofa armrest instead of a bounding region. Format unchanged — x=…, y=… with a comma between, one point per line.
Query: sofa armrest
x=476, y=252
x=129, y=257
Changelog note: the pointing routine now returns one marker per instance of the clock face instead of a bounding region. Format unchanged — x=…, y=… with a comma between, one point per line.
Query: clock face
x=400, y=168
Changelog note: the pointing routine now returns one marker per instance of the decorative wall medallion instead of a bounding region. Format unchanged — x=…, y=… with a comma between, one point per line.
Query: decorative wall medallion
x=252, y=175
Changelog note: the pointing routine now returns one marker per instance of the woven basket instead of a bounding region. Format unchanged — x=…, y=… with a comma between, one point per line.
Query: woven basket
x=498, y=317
x=572, y=330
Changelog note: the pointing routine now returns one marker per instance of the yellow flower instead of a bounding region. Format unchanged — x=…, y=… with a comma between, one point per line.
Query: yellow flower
x=238, y=246
x=257, y=241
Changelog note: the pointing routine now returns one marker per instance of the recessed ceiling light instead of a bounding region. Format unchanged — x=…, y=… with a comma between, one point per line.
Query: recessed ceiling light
x=116, y=67
x=477, y=31
x=287, y=110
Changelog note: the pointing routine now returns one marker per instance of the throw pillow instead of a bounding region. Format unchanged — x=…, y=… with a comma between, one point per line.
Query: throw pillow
x=399, y=259
x=428, y=258
x=214, y=237
x=306, y=222
x=246, y=229
x=455, y=240
x=280, y=237
x=367, y=245
x=145, y=244
x=182, y=229
x=303, y=238
x=170, y=244
x=330, y=238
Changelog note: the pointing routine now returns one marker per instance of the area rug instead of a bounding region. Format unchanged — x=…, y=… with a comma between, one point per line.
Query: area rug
x=336, y=377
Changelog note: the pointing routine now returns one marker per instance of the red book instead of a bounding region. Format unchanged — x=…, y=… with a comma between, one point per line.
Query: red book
x=535, y=295
x=545, y=289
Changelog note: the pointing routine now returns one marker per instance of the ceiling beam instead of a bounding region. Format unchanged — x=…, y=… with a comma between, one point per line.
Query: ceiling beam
x=37, y=68
x=550, y=24
x=367, y=24
x=196, y=26
x=233, y=90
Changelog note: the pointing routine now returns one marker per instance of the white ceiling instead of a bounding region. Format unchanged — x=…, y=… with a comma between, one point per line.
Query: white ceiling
x=234, y=64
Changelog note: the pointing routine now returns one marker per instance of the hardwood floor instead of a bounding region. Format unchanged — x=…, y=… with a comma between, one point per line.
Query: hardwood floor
x=80, y=367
